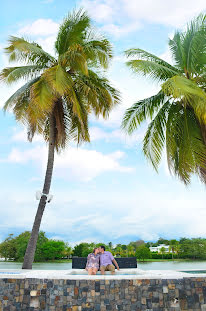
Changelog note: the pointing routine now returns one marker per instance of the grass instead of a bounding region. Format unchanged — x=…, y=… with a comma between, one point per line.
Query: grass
x=162, y=260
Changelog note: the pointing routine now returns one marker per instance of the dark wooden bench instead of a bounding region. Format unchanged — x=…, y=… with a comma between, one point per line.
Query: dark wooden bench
x=124, y=262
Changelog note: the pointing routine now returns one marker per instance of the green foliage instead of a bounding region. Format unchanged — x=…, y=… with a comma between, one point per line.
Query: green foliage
x=163, y=256
x=47, y=249
x=15, y=247
x=83, y=249
x=69, y=86
x=53, y=250
x=8, y=248
x=177, y=113
x=142, y=253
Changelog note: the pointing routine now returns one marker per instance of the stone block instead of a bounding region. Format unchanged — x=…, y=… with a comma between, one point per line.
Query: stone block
x=165, y=290
x=34, y=303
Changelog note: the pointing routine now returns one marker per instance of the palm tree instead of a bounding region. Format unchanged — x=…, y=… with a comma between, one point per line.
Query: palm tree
x=177, y=113
x=173, y=245
x=60, y=93
x=162, y=251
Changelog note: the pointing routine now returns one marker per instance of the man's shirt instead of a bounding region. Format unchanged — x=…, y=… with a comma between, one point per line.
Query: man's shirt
x=106, y=259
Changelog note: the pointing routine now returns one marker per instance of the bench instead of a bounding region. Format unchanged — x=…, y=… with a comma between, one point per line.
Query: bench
x=123, y=262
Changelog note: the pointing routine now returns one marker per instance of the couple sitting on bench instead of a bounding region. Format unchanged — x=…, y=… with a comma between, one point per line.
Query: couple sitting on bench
x=100, y=259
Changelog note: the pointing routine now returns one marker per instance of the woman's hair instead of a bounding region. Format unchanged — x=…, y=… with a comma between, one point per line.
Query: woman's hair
x=94, y=249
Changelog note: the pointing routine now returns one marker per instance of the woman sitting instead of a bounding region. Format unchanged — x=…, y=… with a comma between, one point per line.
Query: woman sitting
x=92, y=265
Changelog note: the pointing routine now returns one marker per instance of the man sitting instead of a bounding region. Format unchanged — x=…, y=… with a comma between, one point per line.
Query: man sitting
x=106, y=260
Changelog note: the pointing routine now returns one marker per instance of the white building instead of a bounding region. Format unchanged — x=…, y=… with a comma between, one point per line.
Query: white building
x=158, y=248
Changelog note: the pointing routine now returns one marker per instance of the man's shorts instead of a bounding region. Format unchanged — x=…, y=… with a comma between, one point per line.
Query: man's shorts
x=108, y=268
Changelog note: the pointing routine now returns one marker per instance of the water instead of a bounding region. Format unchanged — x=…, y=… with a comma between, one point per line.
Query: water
x=37, y=266
x=168, y=265
x=175, y=265
x=194, y=272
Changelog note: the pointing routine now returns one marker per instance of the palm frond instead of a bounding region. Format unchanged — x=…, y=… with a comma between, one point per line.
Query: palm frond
x=74, y=59
x=181, y=88
x=19, y=94
x=144, y=55
x=72, y=31
x=186, y=151
x=98, y=51
x=42, y=99
x=177, y=50
x=141, y=111
x=154, y=140
x=194, y=45
x=155, y=71
x=20, y=49
x=13, y=74
x=98, y=93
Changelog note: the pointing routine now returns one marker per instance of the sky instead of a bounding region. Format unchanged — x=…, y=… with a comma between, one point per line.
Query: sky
x=106, y=190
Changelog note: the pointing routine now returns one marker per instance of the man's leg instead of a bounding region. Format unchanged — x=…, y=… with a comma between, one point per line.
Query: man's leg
x=102, y=269
x=111, y=268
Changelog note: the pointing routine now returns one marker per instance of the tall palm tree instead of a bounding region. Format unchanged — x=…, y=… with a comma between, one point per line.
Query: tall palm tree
x=173, y=246
x=177, y=113
x=60, y=93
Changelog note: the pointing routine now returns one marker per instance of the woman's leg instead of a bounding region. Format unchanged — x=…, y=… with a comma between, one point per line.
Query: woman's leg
x=94, y=271
x=90, y=270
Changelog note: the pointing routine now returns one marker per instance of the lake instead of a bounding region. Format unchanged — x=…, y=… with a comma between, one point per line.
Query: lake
x=175, y=265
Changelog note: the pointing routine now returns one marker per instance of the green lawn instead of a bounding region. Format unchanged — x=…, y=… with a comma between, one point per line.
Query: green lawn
x=157, y=260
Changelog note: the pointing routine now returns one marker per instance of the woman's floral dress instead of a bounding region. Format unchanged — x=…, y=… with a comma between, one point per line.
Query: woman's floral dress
x=92, y=261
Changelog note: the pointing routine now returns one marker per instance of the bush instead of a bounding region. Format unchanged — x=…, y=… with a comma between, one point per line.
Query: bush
x=142, y=252
x=165, y=256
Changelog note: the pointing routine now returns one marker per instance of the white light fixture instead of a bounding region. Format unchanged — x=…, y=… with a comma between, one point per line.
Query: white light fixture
x=39, y=194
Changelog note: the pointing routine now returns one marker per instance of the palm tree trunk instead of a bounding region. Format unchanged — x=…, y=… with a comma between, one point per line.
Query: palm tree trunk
x=31, y=247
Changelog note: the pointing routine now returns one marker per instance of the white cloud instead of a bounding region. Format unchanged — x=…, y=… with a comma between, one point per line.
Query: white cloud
x=21, y=136
x=78, y=163
x=117, y=135
x=119, y=30
x=123, y=16
x=40, y=27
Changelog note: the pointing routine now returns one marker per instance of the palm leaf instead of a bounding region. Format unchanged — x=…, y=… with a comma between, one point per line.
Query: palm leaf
x=72, y=31
x=154, y=140
x=186, y=151
x=13, y=74
x=156, y=71
x=144, y=55
x=21, y=50
x=22, y=91
x=141, y=111
x=179, y=87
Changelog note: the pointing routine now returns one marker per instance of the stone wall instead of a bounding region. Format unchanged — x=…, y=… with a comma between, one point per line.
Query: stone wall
x=102, y=295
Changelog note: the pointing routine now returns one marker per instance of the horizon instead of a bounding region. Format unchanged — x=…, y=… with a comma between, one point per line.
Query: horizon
x=105, y=190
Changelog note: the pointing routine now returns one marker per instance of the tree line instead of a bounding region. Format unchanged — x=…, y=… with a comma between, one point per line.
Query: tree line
x=13, y=248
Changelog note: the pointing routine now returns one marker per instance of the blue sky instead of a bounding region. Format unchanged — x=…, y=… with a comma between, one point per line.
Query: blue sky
x=106, y=190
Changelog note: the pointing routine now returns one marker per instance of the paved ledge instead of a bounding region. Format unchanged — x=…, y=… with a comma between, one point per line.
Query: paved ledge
x=61, y=291
x=79, y=274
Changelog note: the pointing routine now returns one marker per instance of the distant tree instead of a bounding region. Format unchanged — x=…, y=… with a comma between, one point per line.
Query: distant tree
x=142, y=253
x=137, y=243
x=118, y=250
x=15, y=247
x=173, y=246
x=131, y=250
x=163, y=241
x=110, y=245
x=53, y=249
x=124, y=247
x=83, y=249
x=162, y=251
x=7, y=248
x=67, y=251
